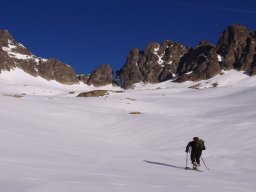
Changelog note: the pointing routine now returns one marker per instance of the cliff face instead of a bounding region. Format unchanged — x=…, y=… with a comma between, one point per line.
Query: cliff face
x=237, y=46
x=236, y=49
x=159, y=62
x=199, y=63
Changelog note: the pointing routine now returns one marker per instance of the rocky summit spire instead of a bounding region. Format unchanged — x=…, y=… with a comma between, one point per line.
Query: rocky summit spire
x=159, y=62
x=237, y=46
x=5, y=36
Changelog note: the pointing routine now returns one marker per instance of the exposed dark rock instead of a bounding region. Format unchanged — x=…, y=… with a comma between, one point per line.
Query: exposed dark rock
x=29, y=66
x=4, y=37
x=95, y=93
x=237, y=46
x=6, y=63
x=101, y=76
x=150, y=64
x=156, y=64
x=53, y=69
x=171, y=58
x=7, y=39
x=253, y=69
x=236, y=49
x=199, y=63
x=130, y=72
x=135, y=113
x=13, y=54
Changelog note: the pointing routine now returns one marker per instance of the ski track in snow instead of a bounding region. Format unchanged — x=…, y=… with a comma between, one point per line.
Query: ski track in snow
x=52, y=141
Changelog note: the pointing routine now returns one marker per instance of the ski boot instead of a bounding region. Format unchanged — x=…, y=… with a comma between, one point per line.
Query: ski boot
x=195, y=166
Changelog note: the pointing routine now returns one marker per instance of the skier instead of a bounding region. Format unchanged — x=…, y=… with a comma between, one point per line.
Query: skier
x=195, y=147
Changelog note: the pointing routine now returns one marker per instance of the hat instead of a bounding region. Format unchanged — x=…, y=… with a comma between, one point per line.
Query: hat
x=195, y=138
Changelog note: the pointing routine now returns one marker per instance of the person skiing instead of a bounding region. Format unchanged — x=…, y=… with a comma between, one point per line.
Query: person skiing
x=195, y=147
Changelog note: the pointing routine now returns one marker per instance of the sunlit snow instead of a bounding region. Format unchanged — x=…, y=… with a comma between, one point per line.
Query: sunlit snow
x=220, y=58
x=14, y=54
x=53, y=141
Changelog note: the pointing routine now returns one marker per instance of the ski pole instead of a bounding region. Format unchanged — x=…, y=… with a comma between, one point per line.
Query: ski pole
x=186, y=161
x=205, y=164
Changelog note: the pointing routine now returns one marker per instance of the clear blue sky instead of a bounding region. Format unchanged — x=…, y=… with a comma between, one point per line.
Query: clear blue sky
x=87, y=33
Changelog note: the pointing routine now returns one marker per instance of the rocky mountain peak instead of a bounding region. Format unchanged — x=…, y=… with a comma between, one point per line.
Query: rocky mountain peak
x=13, y=54
x=237, y=47
x=9, y=44
x=5, y=36
x=157, y=63
x=232, y=37
x=101, y=76
x=199, y=63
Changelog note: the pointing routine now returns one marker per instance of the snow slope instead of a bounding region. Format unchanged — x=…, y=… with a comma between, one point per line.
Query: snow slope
x=52, y=141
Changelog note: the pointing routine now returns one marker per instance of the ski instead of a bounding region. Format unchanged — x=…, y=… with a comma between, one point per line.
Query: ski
x=188, y=168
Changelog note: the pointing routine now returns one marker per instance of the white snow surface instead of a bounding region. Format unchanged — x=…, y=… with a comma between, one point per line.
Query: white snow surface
x=220, y=58
x=53, y=141
x=160, y=57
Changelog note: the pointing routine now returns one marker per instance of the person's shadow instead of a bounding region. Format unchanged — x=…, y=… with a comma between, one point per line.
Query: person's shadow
x=164, y=164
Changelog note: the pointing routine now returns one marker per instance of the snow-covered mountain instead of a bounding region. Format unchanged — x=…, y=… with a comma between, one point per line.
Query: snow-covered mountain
x=129, y=140
x=236, y=49
x=134, y=139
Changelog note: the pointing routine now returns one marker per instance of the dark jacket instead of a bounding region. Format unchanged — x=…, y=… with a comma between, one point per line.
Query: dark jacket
x=193, y=145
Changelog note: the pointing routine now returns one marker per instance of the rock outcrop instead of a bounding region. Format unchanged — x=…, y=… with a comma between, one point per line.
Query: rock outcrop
x=101, y=76
x=6, y=63
x=157, y=63
x=237, y=47
x=95, y=93
x=199, y=63
x=53, y=69
x=13, y=54
x=130, y=73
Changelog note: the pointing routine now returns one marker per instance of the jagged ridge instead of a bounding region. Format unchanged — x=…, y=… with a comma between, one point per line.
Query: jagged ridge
x=236, y=49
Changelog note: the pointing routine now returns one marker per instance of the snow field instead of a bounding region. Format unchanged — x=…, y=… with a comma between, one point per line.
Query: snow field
x=56, y=142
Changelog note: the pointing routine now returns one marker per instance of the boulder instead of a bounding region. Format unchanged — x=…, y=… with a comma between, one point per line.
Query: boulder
x=95, y=93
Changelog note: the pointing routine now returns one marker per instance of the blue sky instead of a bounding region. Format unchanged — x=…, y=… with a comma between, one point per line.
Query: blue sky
x=88, y=33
